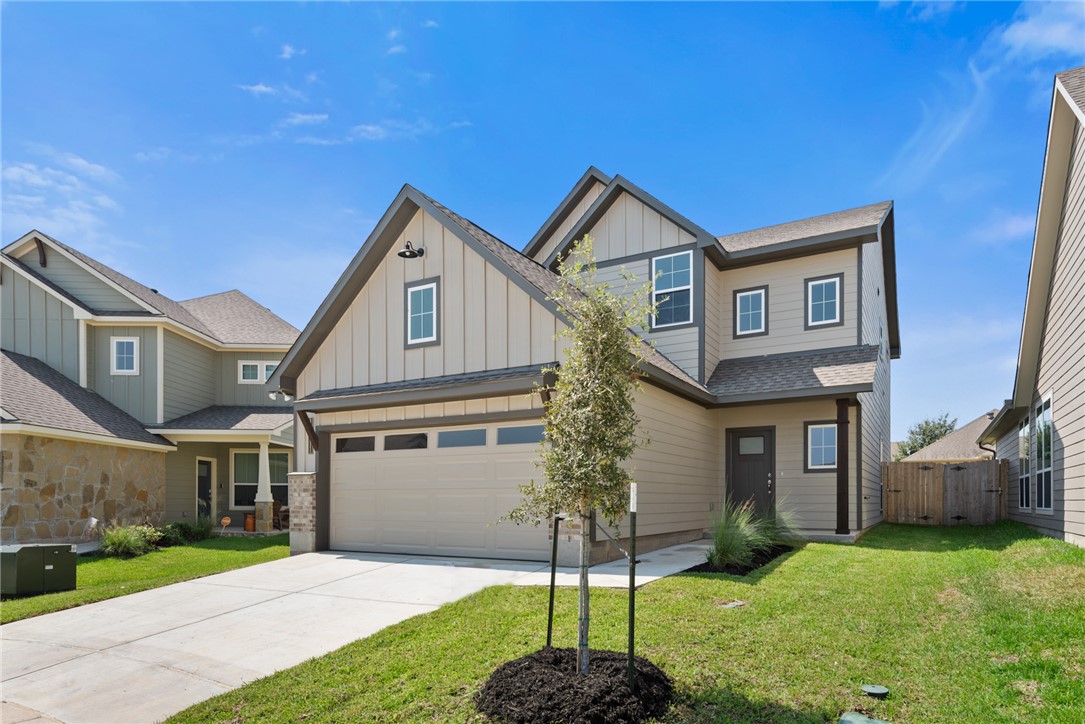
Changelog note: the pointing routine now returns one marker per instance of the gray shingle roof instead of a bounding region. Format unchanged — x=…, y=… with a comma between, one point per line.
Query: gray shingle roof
x=959, y=445
x=1073, y=81
x=231, y=417
x=432, y=383
x=36, y=394
x=816, y=226
x=547, y=282
x=808, y=373
x=234, y=318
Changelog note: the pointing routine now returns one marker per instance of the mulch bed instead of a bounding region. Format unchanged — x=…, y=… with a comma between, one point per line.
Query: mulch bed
x=760, y=559
x=544, y=687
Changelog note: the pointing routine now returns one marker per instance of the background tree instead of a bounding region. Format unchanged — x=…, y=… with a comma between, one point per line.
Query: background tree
x=923, y=433
x=590, y=423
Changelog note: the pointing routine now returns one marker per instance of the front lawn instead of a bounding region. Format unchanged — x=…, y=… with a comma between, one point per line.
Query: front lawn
x=100, y=577
x=962, y=624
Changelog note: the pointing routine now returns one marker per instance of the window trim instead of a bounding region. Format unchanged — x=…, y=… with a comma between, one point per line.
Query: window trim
x=655, y=292
x=250, y=451
x=1024, y=473
x=763, y=290
x=134, y=372
x=1036, y=469
x=839, y=321
x=261, y=365
x=435, y=339
x=806, y=427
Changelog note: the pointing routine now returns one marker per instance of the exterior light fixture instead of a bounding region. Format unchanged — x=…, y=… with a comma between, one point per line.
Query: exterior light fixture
x=409, y=252
x=272, y=395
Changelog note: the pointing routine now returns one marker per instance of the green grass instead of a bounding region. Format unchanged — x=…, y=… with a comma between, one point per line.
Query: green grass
x=962, y=624
x=100, y=577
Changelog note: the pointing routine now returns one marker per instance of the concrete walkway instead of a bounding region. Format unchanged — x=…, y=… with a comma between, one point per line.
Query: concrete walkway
x=142, y=657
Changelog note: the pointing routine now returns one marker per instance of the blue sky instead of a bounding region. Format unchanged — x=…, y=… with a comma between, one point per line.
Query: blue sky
x=200, y=147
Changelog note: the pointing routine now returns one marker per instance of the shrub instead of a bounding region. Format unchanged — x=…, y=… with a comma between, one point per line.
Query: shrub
x=197, y=530
x=171, y=536
x=737, y=536
x=129, y=541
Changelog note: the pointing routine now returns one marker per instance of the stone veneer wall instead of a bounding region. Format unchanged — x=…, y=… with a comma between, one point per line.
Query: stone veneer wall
x=51, y=487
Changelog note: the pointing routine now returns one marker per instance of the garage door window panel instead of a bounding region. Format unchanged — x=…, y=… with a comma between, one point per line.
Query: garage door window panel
x=408, y=441
x=523, y=435
x=461, y=438
x=245, y=477
x=364, y=443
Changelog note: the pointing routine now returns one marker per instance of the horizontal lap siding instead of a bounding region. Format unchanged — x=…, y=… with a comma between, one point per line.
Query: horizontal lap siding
x=575, y=215
x=78, y=282
x=228, y=391
x=787, y=310
x=39, y=325
x=1062, y=356
x=810, y=497
x=189, y=376
x=181, y=478
x=875, y=404
x=486, y=320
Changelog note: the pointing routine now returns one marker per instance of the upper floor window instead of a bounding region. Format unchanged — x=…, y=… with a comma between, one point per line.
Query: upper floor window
x=751, y=312
x=823, y=305
x=125, y=357
x=672, y=289
x=1042, y=454
x=820, y=446
x=1024, y=479
x=254, y=372
x=422, y=312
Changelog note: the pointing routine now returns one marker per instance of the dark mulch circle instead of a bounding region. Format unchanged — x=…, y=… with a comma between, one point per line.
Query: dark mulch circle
x=759, y=559
x=544, y=687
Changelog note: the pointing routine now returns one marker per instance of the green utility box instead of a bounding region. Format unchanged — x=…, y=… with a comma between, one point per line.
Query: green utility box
x=36, y=568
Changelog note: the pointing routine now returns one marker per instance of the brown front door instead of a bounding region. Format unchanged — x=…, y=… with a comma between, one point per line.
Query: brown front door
x=751, y=467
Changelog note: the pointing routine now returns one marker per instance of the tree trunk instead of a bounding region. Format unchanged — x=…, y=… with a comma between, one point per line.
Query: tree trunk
x=582, y=627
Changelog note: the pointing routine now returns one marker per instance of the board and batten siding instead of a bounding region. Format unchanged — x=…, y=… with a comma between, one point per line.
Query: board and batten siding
x=228, y=391
x=574, y=215
x=189, y=376
x=875, y=404
x=680, y=345
x=38, y=324
x=78, y=282
x=1061, y=372
x=135, y=394
x=810, y=497
x=630, y=227
x=786, y=281
x=486, y=320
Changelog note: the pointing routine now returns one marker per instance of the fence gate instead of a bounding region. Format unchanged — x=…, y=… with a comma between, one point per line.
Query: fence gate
x=945, y=493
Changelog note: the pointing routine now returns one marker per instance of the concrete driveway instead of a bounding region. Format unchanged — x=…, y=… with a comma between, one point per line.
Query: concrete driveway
x=143, y=657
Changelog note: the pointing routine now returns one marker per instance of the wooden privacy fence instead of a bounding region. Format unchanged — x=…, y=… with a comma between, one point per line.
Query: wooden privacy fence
x=945, y=493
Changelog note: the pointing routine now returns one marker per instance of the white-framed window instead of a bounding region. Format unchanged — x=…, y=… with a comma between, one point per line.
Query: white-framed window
x=1042, y=455
x=751, y=313
x=672, y=289
x=823, y=306
x=422, y=312
x=1024, y=478
x=245, y=476
x=820, y=446
x=254, y=372
x=124, y=355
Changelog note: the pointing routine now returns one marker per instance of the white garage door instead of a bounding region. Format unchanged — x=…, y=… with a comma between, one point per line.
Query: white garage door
x=435, y=491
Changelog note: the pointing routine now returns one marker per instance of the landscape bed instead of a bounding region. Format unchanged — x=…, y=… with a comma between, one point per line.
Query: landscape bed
x=961, y=624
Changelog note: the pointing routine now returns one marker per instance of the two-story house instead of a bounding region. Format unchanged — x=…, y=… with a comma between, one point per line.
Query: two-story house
x=769, y=378
x=1041, y=429
x=120, y=404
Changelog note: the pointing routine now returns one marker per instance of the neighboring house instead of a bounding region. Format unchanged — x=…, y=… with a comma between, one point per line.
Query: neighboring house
x=1041, y=429
x=769, y=380
x=119, y=403
x=959, y=446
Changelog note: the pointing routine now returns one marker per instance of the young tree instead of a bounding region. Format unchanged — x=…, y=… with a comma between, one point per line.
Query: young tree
x=590, y=422
x=923, y=433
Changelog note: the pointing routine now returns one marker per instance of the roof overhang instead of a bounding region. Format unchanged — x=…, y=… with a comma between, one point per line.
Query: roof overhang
x=1003, y=420
x=23, y=428
x=190, y=435
x=814, y=393
x=1065, y=114
x=591, y=177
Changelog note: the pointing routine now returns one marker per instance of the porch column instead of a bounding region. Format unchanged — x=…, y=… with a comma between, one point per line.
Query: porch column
x=842, y=466
x=264, y=504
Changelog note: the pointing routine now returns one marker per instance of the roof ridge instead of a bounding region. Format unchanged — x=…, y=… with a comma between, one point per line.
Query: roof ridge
x=886, y=202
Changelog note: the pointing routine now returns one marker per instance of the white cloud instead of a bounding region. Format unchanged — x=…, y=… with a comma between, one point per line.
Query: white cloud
x=319, y=141
x=429, y=24
x=1040, y=30
x=461, y=124
x=397, y=49
x=289, y=51
x=259, y=89
x=393, y=33
x=313, y=77
x=305, y=119
x=393, y=130
x=154, y=154
x=1003, y=227
x=369, y=132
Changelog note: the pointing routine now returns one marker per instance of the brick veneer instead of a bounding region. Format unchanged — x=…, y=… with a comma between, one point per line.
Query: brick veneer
x=302, y=512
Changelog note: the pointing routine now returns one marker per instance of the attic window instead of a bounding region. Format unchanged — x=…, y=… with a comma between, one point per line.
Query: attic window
x=423, y=313
x=125, y=357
